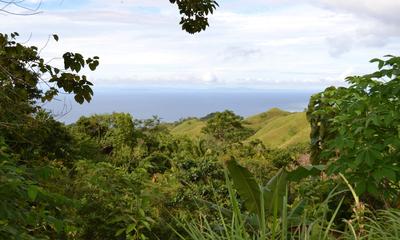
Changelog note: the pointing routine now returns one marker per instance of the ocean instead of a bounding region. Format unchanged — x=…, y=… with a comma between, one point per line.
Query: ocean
x=173, y=104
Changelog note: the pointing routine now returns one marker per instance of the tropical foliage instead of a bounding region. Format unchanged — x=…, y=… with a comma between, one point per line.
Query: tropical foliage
x=356, y=131
x=111, y=176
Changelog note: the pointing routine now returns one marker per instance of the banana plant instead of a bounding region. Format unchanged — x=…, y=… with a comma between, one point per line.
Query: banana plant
x=269, y=199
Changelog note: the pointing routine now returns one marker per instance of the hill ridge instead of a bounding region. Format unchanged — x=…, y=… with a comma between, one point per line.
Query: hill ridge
x=274, y=127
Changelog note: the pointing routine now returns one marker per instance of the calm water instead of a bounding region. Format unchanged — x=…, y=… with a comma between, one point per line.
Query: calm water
x=171, y=105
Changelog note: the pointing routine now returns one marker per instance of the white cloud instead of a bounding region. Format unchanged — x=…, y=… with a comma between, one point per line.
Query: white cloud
x=340, y=44
x=299, y=45
x=382, y=10
x=210, y=77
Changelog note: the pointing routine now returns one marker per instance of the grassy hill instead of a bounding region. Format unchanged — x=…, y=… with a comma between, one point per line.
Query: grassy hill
x=256, y=122
x=190, y=128
x=284, y=130
x=276, y=128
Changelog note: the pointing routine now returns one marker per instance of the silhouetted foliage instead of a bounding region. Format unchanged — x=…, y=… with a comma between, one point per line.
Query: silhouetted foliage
x=194, y=14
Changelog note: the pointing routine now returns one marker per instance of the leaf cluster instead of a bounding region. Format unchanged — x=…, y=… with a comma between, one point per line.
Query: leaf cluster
x=356, y=130
x=194, y=14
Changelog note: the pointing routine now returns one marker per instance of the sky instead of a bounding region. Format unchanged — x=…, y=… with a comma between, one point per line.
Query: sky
x=260, y=44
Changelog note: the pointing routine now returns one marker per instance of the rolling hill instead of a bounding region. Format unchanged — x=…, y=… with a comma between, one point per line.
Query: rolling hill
x=275, y=128
x=256, y=122
x=191, y=128
x=284, y=130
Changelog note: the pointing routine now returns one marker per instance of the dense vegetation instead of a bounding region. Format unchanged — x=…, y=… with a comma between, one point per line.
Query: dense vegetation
x=220, y=177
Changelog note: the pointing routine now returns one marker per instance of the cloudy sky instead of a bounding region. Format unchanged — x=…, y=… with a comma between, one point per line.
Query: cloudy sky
x=250, y=43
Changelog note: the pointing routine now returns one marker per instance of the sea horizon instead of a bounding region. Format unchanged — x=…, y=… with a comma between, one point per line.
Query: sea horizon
x=173, y=104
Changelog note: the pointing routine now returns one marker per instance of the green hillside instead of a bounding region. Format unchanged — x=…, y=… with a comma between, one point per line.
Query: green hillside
x=191, y=128
x=256, y=122
x=275, y=127
x=284, y=130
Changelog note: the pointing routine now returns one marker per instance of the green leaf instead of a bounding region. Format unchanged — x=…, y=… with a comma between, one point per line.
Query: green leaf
x=378, y=174
x=360, y=187
x=246, y=186
x=32, y=192
x=381, y=64
x=371, y=188
x=370, y=156
x=93, y=65
x=79, y=99
x=275, y=190
x=119, y=232
x=58, y=225
x=358, y=161
x=389, y=174
x=130, y=228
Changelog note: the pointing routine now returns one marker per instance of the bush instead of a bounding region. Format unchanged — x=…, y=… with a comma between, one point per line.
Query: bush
x=356, y=130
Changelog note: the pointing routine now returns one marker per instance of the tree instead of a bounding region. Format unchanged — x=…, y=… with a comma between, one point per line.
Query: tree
x=33, y=141
x=114, y=133
x=26, y=79
x=227, y=127
x=22, y=69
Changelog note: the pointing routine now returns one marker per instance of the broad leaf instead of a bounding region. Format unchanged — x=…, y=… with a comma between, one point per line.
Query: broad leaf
x=275, y=190
x=246, y=186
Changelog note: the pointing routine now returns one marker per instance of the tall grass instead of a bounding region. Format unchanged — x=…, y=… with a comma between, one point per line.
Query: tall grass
x=315, y=224
x=239, y=225
x=384, y=225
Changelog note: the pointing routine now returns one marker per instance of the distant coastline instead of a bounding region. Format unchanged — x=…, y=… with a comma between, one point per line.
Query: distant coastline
x=172, y=104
